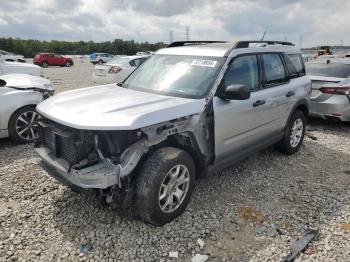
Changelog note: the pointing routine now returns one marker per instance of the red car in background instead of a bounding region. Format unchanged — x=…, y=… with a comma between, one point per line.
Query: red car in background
x=48, y=59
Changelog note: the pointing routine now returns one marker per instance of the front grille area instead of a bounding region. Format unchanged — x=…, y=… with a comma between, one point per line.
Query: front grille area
x=72, y=145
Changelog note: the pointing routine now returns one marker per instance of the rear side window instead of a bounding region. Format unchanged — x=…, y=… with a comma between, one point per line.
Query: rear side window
x=132, y=63
x=273, y=69
x=243, y=70
x=295, y=65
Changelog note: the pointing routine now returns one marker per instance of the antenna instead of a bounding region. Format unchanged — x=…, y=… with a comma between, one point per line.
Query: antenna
x=263, y=35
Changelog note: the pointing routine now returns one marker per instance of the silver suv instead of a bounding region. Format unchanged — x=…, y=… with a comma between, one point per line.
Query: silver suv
x=191, y=108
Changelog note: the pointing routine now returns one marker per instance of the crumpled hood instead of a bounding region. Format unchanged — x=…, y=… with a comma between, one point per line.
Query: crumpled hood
x=111, y=107
x=24, y=81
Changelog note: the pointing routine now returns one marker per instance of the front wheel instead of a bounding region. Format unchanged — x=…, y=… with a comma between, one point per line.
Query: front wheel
x=294, y=134
x=23, y=125
x=68, y=64
x=165, y=185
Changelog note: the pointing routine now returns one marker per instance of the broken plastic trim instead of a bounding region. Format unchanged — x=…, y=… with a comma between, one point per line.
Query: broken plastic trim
x=299, y=245
x=130, y=157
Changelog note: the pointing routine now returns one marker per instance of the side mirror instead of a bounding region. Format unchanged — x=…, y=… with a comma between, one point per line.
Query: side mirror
x=236, y=92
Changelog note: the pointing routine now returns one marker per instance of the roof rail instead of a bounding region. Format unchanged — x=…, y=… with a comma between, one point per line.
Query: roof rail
x=185, y=43
x=245, y=44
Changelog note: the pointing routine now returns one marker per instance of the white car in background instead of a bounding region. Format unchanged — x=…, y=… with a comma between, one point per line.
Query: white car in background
x=20, y=68
x=19, y=95
x=9, y=56
x=117, y=70
x=100, y=58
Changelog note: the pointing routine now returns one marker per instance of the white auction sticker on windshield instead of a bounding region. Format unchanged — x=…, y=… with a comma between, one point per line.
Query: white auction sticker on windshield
x=204, y=62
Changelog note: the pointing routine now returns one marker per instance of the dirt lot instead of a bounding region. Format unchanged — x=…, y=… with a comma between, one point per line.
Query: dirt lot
x=249, y=212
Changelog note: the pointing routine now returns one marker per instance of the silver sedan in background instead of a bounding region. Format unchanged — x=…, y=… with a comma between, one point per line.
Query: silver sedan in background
x=117, y=70
x=330, y=97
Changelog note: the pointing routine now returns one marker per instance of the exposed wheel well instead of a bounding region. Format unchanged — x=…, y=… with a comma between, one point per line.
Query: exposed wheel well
x=182, y=142
x=303, y=108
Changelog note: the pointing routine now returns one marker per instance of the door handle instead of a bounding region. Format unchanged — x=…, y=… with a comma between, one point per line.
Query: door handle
x=290, y=93
x=259, y=103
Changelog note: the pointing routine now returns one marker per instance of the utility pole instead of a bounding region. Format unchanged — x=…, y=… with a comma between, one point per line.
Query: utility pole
x=171, y=37
x=187, y=33
x=300, y=41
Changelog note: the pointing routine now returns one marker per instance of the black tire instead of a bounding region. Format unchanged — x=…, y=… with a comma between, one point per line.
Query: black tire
x=100, y=62
x=68, y=64
x=44, y=64
x=14, y=132
x=152, y=175
x=285, y=145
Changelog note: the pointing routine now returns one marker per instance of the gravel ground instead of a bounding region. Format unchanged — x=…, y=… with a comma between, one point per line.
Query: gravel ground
x=249, y=212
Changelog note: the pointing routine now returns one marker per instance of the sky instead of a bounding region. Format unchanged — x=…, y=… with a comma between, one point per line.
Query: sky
x=308, y=22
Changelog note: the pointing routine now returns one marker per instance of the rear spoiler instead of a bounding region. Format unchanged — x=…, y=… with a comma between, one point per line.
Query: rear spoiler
x=325, y=78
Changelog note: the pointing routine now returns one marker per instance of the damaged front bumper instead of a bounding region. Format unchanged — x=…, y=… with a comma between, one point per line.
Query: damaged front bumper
x=98, y=176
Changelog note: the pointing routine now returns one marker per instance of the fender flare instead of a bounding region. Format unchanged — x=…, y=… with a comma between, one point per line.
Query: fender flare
x=303, y=104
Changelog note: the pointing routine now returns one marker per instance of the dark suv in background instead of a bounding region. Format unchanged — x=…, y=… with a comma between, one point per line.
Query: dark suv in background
x=52, y=59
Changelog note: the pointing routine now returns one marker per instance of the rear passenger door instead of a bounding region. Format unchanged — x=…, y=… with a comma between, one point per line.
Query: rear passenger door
x=59, y=60
x=276, y=88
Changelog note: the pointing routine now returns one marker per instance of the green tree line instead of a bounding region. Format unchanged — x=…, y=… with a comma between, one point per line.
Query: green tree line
x=29, y=48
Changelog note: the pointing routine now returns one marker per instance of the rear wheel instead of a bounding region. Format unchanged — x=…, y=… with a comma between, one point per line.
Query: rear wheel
x=294, y=134
x=23, y=125
x=165, y=185
x=45, y=64
x=100, y=62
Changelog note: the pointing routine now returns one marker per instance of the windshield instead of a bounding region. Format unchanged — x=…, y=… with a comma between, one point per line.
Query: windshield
x=184, y=76
x=328, y=70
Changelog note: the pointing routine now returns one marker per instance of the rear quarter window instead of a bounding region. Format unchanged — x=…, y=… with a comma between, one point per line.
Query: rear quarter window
x=274, y=71
x=295, y=65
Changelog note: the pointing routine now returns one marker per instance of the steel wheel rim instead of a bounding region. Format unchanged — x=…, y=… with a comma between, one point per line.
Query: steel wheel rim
x=27, y=125
x=174, y=188
x=297, y=132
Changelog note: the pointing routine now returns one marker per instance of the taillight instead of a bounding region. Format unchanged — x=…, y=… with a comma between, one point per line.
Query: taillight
x=115, y=69
x=344, y=90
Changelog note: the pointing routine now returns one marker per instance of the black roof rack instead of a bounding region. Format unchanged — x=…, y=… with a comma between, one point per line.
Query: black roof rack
x=245, y=44
x=185, y=43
